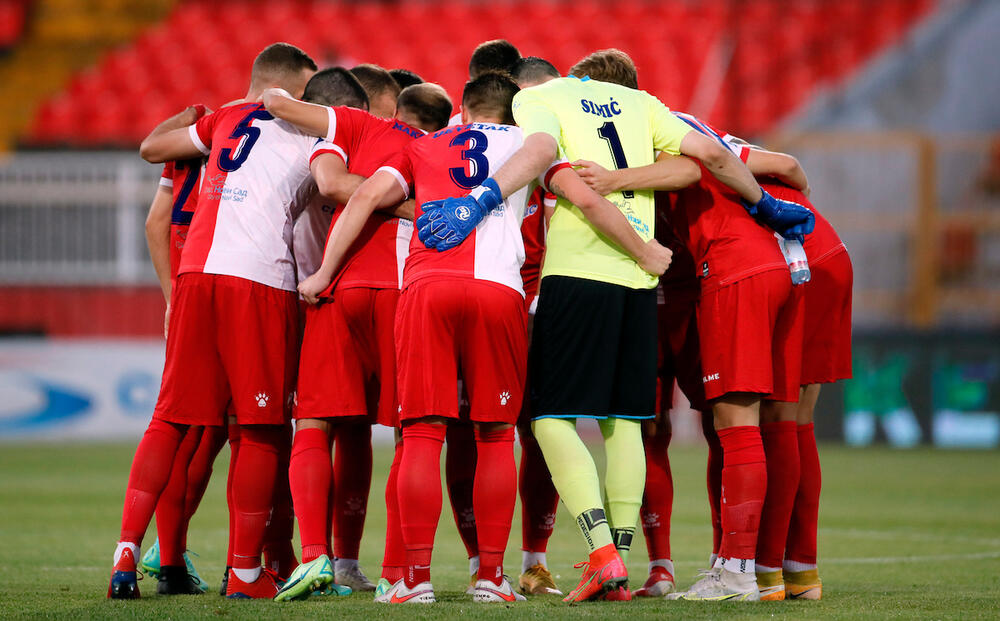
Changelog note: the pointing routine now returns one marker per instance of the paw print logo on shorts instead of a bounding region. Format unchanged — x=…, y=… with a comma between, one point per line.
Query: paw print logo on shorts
x=261, y=399
x=504, y=397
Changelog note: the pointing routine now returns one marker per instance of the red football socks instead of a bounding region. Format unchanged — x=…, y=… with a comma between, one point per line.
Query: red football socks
x=782, y=452
x=172, y=506
x=253, y=490
x=233, y=431
x=419, y=493
x=539, y=499
x=310, y=473
x=713, y=478
x=744, y=484
x=493, y=498
x=213, y=438
x=459, y=472
x=801, y=546
x=352, y=472
x=279, y=553
x=394, y=560
x=658, y=497
x=151, y=467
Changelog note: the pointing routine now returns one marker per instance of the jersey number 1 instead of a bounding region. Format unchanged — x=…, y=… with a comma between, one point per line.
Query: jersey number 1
x=610, y=133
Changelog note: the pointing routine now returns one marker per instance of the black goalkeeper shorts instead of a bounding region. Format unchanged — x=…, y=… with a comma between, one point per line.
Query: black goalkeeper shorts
x=593, y=350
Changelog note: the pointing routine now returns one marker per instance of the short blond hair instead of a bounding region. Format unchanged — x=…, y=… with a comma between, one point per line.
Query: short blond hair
x=611, y=65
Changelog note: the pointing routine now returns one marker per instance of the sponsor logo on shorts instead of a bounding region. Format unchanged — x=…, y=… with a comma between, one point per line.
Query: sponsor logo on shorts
x=710, y=378
x=704, y=269
x=504, y=397
x=262, y=399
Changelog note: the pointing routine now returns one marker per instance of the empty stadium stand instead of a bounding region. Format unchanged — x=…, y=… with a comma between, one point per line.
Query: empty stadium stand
x=743, y=64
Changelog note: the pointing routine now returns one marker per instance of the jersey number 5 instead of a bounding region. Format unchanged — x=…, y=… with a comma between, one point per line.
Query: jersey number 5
x=610, y=133
x=248, y=135
x=479, y=164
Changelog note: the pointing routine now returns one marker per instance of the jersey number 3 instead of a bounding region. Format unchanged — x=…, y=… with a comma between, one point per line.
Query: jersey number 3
x=248, y=135
x=479, y=164
x=609, y=132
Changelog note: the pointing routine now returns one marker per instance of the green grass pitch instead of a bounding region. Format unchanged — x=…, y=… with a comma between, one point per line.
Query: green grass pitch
x=903, y=534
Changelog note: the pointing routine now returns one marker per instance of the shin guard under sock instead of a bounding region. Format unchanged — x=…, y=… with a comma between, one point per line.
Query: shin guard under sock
x=352, y=472
x=744, y=484
x=151, y=467
x=658, y=497
x=782, y=453
x=253, y=490
x=310, y=472
x=494, y=497
x=801, y=544
x=419, y=493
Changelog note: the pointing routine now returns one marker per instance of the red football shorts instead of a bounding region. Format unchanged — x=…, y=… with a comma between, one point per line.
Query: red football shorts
x=232, y=342
x=751, y=337
x=826, y=351
x=447, y=324
x=348, y=366
x=680, y=349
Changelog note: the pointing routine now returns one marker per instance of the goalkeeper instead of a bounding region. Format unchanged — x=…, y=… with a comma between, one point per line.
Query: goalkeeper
x=593, y=353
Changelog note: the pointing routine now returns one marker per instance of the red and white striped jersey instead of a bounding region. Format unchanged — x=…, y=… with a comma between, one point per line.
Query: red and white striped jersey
x=365, y=142
x=256, y=171
x=451, y=162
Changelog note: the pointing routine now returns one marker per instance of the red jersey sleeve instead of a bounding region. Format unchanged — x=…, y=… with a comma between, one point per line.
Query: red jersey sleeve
x=201, y=132
x=555, y=167
x=167, y=177
x=400, y=166
x=324, y=146
x=345, y=128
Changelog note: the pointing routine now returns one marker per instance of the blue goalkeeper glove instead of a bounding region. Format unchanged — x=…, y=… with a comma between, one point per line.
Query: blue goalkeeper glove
x=788, y=219
x=446, y=223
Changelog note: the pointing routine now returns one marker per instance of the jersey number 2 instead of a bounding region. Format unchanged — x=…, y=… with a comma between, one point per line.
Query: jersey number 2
x=609, y=132
x=248, y=135
x=479, y=164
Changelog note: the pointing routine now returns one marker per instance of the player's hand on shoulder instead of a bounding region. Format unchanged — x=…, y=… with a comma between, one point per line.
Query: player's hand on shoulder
x=599, y=178
x=656, y=258
x=312, y=286
x=271, y=95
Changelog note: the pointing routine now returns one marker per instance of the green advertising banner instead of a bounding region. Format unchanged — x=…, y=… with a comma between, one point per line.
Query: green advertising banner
x=913, y=388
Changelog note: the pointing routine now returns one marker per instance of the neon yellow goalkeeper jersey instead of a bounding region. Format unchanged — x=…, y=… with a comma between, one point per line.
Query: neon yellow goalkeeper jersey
x=616, y=127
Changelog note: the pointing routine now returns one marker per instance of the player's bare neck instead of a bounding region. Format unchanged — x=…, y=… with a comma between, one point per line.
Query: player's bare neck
x=486, y=120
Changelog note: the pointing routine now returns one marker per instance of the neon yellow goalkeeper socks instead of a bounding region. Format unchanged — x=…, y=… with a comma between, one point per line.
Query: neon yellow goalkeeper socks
x=574, y=476
x=625, y=479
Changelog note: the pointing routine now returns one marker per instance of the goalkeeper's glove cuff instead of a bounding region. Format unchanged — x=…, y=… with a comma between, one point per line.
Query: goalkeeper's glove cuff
x=487, y=195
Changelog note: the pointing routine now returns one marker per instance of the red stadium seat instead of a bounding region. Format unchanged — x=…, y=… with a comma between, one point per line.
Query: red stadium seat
x=202, y=51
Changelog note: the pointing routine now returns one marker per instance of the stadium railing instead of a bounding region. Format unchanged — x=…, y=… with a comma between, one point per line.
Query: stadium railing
x=919, y=213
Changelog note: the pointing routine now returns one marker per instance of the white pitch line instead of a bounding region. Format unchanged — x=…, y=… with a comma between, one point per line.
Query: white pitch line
x=880, y=560
x=909, y=534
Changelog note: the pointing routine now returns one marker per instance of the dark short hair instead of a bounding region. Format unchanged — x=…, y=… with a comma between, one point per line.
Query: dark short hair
x=429, y=103
x=280, y=60
x=491, y=94
x=405, y=77
x=532, y=69
x=335, y=86
x=375, y=80
x=611, y=65
x=496, y=55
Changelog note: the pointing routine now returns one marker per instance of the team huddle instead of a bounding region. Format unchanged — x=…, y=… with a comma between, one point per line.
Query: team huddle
x=336, y=249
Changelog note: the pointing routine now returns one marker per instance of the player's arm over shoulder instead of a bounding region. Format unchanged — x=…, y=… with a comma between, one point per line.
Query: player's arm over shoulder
x=311, y=118
x=179, y=137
